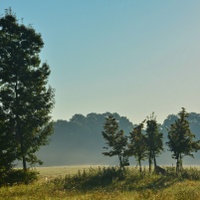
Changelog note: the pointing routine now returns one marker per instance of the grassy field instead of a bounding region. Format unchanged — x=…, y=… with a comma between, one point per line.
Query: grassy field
x=93, y=183
x=52, y=172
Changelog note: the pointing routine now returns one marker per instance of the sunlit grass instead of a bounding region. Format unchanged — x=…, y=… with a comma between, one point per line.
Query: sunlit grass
x=61, y=171
x=99, y=183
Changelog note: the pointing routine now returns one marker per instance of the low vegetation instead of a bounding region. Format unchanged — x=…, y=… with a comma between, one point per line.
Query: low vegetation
x=18, y=176
x=110, y=183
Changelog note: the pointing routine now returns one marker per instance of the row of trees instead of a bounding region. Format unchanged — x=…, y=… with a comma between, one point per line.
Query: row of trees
x=25, y=100
x=146, y=142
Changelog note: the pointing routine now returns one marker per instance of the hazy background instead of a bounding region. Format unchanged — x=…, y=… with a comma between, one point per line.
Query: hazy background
x=131, y=57
x=79, y=141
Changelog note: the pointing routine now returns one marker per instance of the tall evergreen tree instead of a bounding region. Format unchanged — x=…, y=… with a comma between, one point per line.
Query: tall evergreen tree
x=25, y=99
x=116, y=140
x=181, y=141
x=138, y=145
x=154, y=140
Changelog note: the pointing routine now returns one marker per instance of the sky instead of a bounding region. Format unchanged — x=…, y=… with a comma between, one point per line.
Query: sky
x=133, y=57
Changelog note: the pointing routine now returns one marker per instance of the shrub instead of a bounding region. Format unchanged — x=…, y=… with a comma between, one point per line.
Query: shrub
x=17, y=176
x=100, y=177
x=190, y=174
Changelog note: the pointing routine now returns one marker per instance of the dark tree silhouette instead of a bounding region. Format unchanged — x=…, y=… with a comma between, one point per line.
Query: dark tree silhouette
x=154, y=140
x=138, y=145
x=25, y=100
x=115, y=140
x=181, y=141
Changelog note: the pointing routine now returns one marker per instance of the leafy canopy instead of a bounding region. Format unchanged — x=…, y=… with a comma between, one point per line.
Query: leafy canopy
x=181, y=139
x=25, y=100
x=115, y=140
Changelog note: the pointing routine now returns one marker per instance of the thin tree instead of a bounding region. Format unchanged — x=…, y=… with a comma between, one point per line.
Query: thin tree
x=181, y=141
x=138, y=145
x=115, y=140
x=25, y=100
x=154, y=139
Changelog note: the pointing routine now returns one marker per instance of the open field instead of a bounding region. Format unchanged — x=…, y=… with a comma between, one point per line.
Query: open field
x=51, y=172
x=56, y=171
x=52, y=185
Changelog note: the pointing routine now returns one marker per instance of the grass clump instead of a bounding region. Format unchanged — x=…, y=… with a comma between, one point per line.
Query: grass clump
x=190, y=174
x=127, y=179
x=111, y=178
x=94, y=178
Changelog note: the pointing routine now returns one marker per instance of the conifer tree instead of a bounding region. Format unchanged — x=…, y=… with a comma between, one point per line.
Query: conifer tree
x=115, y=140
x=138, y=145
x=154, y=140
x=25, y=99
x=181, y=140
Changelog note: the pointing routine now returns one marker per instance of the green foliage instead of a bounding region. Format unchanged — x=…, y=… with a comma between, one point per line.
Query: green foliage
x=154, y=139
x=7, y=151
x=114, y=178
x=7, y=144
x=190, y=174
x=116, y=140
x=18, y=177
x=138, y=145
x=94, y=178
x=141, y=146
x=25, y=101
x=181, y=141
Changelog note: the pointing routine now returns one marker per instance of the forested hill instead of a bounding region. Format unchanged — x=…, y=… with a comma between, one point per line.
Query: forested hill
x=79, y=140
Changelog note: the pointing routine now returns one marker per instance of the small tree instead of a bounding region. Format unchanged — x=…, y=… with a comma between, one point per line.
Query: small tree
x=115, y=140
x=138, y=145
x=181, y=141
x=154, y=140
x=25, y=100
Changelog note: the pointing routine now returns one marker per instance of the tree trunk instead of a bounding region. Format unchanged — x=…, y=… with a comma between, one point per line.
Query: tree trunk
x=19, y=135
x=155, y=164
x=181, y=163
x=22, y=151
x=178, y=164
x=24, y=163
x=177, y=161
x=140, y=165
x=150, y=163
x=120, y=161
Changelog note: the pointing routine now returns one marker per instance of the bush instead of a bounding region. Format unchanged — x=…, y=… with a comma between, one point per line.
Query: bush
x=18, y=177
x=190, y=174
x=128, y=179
x=100, y=177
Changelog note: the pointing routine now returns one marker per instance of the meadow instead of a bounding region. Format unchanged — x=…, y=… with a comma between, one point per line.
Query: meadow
x=94, y=182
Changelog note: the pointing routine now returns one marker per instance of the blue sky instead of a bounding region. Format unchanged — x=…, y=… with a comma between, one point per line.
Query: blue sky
x=133, y=57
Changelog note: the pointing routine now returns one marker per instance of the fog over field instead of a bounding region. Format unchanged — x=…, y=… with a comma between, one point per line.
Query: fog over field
x=79, y=141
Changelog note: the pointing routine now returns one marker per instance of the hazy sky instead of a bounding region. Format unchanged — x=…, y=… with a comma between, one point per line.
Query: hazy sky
x=127, y=56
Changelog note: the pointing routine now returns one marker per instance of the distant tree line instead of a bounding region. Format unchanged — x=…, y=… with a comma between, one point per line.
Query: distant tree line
x=148, y=143
x=81, y=140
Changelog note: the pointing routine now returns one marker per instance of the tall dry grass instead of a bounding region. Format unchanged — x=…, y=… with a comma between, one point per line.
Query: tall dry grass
x=108, y=183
